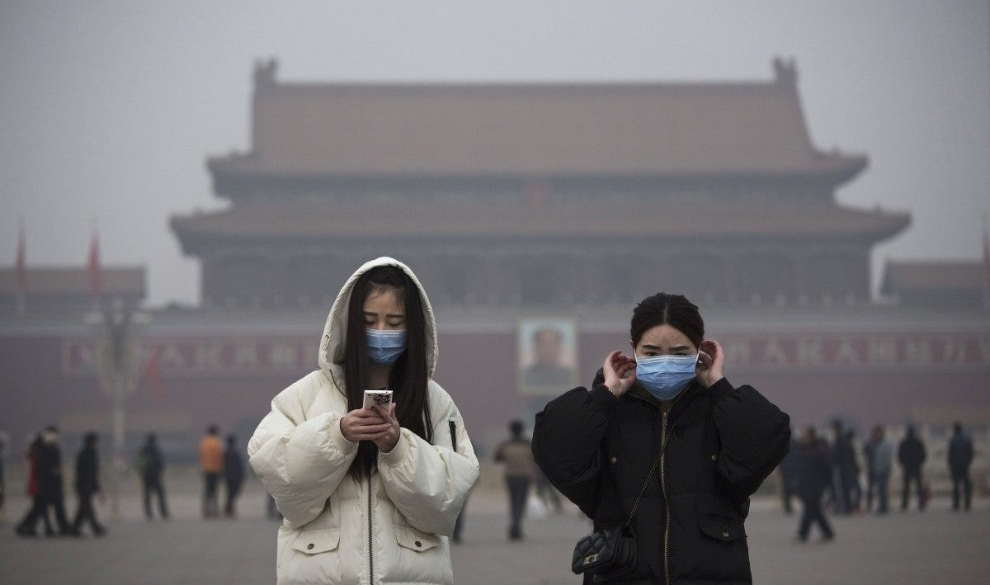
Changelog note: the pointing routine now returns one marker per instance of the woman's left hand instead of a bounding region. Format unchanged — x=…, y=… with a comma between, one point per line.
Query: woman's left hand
x=712, y=365
x=387, y=439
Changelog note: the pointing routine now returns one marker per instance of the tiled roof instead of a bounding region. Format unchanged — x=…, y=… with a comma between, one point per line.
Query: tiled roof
x=74, y=281
x=901, y=276
x=563, y=129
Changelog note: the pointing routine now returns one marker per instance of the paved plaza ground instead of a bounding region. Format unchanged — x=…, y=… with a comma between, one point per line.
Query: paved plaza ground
x=937, y=547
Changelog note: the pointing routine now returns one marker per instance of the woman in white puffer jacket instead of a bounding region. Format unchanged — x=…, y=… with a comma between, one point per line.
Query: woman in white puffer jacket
x=368, y=496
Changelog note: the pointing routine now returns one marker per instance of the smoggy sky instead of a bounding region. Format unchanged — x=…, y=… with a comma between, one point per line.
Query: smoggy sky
x=108, y=110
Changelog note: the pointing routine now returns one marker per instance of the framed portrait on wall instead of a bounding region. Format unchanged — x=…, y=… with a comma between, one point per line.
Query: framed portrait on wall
x=548, y=356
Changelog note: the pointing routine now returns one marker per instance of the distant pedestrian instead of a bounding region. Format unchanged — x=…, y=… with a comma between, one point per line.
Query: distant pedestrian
x=39, y=507
x=151, y=465
x=814, y=476
x=517, y=456
x=211, y=464
x=233, y=475
x=789, y=469
x=88, y=486
x=879, y=455
x=4, y=439
x=960, y=458
x=850, y=479
x=911, y=455
x=50, y=479
x=846, y=470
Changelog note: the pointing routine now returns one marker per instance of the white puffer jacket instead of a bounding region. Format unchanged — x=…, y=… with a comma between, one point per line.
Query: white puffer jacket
x=336, y=529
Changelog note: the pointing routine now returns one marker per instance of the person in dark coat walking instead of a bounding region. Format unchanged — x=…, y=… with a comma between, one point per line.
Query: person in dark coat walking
x=789, y=475
x=846, y=470
x=50, y=482
x=814, y=477
x=960, y=458
x=3, y=478
x=39, y=507
x=233, y=475
x=87, y=486
x=911, y=455
x=150, y=465
x=669, y=420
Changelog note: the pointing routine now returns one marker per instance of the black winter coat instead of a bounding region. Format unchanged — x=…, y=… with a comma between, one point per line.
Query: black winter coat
x=911, y=453
x=720, y=444
x=815, y=470
x=87, y=472
x=960, y=454
x=49, y=470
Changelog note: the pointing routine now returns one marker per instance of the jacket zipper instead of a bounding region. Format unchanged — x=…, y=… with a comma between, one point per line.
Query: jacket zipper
x=371, y=554
x=666, y=504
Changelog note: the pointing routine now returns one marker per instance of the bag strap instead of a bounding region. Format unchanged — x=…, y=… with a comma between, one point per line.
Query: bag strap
x=647, y=482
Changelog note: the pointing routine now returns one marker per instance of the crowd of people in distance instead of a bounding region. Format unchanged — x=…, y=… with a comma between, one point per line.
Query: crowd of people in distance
x=46, y=488
x=218, y=463
x=825, y=475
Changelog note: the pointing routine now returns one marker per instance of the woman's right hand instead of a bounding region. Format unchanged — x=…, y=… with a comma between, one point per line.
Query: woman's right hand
x=620, y=372
x=363, y=424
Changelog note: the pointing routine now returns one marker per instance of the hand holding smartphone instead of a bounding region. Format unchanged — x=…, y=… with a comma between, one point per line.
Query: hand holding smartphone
x=382, y=397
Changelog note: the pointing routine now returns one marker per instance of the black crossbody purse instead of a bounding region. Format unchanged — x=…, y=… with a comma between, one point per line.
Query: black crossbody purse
x=608, y=553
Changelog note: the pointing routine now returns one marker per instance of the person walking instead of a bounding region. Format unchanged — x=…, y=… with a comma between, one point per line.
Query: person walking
x=233, y=475
x=911, y=455
x=87, y=486
x=517, y=457
x=151, y=467
x=814, y=477
x=50, y=481
x=789, y=475
x=880, y=462
x=960, y=458
x=846, y=470
x=369, y=494
x=39, y=506
x=211, y=464
x=667, y=424
x=4, y=440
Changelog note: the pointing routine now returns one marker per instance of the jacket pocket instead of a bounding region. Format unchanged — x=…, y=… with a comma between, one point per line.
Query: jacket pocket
x=412, y=539
x=721, y=529
x=314, y=542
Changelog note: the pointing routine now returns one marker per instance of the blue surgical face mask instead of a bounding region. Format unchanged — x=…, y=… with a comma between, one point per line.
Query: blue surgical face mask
x=385, y=345
x=666, y=376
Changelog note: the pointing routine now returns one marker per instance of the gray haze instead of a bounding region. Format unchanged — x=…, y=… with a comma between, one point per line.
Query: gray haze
x=109, y=109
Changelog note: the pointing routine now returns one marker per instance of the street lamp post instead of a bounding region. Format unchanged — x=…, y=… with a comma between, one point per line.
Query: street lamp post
x=118, y=362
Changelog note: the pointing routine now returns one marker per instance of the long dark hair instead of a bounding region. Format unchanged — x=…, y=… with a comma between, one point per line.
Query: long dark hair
x=410, y=374
x=667, y=309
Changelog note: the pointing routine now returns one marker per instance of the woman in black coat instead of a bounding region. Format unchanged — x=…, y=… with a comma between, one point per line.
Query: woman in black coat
x=669, y=409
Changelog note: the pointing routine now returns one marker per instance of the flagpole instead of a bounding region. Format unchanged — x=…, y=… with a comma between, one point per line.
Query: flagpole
x=21, y=267
x=986, y=263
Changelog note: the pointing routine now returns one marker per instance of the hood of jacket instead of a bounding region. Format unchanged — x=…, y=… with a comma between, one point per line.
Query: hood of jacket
x=332, y=344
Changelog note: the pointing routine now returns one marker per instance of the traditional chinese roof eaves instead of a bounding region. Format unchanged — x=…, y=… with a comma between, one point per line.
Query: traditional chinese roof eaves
x=933, y=275
x=128, y=281
x=482, y=219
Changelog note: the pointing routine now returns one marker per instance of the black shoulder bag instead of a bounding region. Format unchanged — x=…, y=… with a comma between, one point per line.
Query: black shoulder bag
x=608, y=553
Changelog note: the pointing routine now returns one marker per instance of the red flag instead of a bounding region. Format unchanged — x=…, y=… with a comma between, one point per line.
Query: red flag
x=21, y=262
x=95, y=274
x=150, y=369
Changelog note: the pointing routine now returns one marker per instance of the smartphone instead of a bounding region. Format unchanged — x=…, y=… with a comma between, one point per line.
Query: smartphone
x=383, y=397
